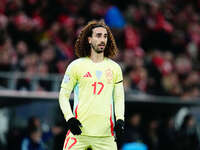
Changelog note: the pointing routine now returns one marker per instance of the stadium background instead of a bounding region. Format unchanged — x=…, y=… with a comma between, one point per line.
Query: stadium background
x=158, y=43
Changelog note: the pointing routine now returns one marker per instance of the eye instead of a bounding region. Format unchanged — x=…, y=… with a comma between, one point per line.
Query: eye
x=105, y=35
x=98, y=35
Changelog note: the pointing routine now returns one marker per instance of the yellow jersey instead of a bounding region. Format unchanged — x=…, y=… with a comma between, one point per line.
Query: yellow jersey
x=98, y=93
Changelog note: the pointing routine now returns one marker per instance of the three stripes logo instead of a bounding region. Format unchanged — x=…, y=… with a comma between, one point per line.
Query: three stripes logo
x=88, y=75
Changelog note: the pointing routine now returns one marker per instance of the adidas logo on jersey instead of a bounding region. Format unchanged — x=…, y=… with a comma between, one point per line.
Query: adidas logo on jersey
x=88, y=75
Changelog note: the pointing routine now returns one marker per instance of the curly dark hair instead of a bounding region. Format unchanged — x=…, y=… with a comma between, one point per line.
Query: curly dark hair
x=82, y=46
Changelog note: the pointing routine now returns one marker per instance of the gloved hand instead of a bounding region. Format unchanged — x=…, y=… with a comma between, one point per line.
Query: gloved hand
x=119, y=128
x=74, y=126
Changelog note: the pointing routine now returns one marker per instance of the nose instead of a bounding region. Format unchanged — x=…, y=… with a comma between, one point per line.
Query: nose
x=103, y=40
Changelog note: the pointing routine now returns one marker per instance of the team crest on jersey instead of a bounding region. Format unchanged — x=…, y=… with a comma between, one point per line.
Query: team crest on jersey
x=109, y=76
x=98, y=74
x=66, y=78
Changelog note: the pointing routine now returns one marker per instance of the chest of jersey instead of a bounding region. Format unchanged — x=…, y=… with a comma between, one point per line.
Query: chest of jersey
x=96, y=79
x=90, y=74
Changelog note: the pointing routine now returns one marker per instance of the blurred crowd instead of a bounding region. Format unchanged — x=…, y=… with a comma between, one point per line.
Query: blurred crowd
x=34, y=136
x=158, y=42
x=160, y=134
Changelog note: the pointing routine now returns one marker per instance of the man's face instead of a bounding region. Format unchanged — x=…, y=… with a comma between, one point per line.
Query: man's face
x=99, y=39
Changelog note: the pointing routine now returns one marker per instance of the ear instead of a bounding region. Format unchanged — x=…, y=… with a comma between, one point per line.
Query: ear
x=89, y=40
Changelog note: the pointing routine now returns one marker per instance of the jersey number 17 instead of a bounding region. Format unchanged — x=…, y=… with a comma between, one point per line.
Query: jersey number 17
x=95, y=84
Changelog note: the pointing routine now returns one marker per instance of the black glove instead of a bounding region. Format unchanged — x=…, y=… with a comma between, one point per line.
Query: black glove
x=119, y=128
x=74, y=126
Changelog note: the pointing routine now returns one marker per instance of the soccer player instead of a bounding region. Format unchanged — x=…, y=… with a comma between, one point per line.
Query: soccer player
x=98, y=91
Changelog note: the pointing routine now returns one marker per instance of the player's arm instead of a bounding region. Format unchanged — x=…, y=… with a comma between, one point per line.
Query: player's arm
x=119, y=103
x=68, y=83
x=64, y=103
x=67, y=86
x=119, y=95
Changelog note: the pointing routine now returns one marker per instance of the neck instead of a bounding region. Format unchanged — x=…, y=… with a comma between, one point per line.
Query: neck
x=96, y=57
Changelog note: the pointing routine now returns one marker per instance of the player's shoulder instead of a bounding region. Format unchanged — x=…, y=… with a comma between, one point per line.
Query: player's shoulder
x=75, y=64
x=113, y=63
x=77, y=61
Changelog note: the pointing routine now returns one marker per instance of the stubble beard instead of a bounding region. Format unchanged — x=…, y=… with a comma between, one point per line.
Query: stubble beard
x=97, y=50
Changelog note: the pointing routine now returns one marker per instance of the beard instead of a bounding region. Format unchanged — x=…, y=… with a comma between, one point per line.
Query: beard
x=97, y=49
